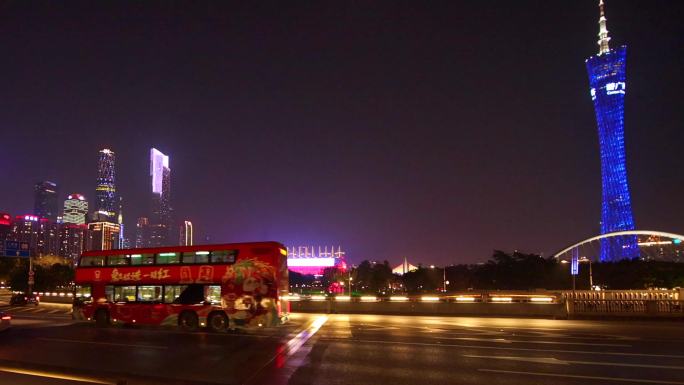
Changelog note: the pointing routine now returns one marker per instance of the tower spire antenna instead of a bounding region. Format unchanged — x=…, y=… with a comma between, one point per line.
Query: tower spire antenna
x=603, y=30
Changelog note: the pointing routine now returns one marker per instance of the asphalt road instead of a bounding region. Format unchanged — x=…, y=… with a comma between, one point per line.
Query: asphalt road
x=45, y=347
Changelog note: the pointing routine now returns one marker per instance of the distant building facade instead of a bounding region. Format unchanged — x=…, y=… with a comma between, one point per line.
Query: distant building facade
x=26, y=228
x=142, y=233
x=75, y=209
x=105, y=192
x=45, y=200
x=72, y=240
x=48, y=237
x=102, y=236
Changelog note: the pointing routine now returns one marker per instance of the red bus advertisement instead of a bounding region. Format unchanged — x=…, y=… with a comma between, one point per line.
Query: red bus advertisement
x=214, y=286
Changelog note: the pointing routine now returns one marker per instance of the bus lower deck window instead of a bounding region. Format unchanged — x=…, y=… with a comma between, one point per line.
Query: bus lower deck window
x=151, y=293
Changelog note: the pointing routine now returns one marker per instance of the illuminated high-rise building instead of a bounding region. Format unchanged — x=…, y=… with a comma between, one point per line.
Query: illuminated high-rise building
x=103, y=236
x=72, y=240
x=75, y=209
x=160, y=177
x=46, y=204
x=142, y=233
x=186, y=235
x=26, y=228
x=48, y=237
x=105, y=193
x=607, y=80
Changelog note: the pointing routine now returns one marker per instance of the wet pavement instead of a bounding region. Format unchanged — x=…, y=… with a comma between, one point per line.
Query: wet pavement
x=346, y=349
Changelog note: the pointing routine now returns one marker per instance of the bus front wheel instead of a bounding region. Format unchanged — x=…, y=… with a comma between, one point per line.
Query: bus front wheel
x=102, y=318
x=218, y=322
x=188, y=321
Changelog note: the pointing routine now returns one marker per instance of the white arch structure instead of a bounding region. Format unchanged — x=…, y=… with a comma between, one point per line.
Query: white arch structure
x=619, y=234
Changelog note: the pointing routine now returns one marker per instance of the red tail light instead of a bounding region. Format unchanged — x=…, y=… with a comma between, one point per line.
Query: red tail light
x=6, y=318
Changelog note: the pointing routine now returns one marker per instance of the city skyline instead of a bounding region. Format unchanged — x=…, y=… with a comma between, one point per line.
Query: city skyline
x=440, y=141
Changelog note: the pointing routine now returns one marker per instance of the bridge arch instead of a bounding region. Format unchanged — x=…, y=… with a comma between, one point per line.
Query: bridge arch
x=619, y=234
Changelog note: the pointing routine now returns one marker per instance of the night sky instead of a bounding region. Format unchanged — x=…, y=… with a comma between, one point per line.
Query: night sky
x=436, y=130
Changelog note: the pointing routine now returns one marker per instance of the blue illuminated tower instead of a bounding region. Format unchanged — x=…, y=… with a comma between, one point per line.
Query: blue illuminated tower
x=607, y=80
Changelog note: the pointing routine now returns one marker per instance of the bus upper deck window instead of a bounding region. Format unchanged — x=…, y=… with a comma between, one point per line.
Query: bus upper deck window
x=92, y=261
x=142, y=259
x=117, y=260
x=223, y=256
x=168, y=258
x=196, y=257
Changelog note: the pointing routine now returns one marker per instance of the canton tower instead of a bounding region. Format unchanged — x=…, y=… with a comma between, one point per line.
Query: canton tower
x=607, y=81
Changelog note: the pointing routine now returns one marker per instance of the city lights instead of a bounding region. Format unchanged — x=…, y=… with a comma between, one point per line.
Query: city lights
x=465, y=299
x=541, y=299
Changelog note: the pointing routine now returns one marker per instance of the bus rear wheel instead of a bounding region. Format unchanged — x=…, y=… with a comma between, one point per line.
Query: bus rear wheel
x=218, y=322
x=102, y=318
x=188, y=321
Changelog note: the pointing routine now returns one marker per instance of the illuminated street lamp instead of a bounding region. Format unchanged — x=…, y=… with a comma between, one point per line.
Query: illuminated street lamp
x=591, y=275
x=591, y=278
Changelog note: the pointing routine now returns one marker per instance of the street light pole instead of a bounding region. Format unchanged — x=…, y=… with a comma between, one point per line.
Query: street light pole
x=444, y=280
x=591, y=277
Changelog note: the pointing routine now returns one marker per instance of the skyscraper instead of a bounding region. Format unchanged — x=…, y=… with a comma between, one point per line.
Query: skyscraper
x=142, y=233
x=607, y=81
x=26, y=228
x=160, y=176
x=105, y=193
x=72, y=239
x=46, y=205
x=186, y=235
x=75, y=209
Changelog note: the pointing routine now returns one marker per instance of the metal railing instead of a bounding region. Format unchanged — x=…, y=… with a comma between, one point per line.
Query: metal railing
x=627, y=307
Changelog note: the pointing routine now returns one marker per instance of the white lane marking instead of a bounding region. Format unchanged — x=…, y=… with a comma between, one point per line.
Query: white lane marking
x=42, y=373
x=618, y=379
x=339, y=340
x=555, y=361
x=20, y=310
x=55, y=311
x=536, y=360
x=287, y=367
x=300, y=339
x=104, y=343
x=507, y=341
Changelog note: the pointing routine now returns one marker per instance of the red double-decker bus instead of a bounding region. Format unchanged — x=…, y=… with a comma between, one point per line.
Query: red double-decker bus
x=214, y=286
